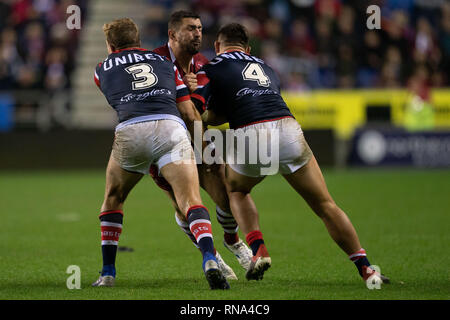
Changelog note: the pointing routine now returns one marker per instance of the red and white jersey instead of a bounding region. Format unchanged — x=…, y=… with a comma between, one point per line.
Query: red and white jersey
x=197, y=62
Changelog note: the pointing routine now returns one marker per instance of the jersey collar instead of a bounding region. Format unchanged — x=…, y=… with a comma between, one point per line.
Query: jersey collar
x=234, y=50
x=126, y=49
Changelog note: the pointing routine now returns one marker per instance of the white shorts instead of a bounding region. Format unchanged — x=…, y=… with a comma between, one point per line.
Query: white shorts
x=139, y=145
x=270, y=147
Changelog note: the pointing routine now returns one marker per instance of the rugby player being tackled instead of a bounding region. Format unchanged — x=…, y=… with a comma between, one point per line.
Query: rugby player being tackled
x=182, y=48
x=243, y=90
x=151, y=101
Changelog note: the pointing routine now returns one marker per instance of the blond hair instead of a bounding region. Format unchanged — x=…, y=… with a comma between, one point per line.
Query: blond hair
x=122, y=33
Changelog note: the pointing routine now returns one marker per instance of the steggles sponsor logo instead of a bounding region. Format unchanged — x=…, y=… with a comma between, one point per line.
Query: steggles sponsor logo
x=253, y=92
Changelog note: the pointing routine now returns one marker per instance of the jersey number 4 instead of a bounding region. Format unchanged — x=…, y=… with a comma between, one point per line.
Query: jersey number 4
x=254, y=72
x=143, y=74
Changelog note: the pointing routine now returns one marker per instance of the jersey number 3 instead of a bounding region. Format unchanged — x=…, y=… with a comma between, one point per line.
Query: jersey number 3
x=253, y=71
x=143, y=75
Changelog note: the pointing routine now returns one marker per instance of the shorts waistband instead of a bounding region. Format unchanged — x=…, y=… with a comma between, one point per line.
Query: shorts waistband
x=151, y=117
x=267, y=120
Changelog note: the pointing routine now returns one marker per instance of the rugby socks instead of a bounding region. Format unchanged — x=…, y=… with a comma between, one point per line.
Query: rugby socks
x=359, y=258
x=200, y=226
x=111, y=228
x=254, y=240
x=229, y=226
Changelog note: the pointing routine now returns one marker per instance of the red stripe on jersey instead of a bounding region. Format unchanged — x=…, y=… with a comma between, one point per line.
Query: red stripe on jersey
x=97, y=81
x=178, y=79
x=249, y=124
x=198, y=97
x=183, y=98
x=202, y=79
x=133, y=48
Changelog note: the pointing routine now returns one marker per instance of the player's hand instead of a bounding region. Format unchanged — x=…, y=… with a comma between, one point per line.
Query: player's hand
x=190, y=80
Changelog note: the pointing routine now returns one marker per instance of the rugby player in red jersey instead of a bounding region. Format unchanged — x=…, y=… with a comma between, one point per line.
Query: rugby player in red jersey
x=182, y=48
x=151, y=101
x=243, y=90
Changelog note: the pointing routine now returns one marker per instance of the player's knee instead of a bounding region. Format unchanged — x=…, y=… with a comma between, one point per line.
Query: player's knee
x=237, y=186
x=326, y=209
x=115, y=197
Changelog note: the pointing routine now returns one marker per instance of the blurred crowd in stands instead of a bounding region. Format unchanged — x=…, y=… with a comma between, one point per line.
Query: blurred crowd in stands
x=311, y=43
x=36, y=48
x=326, y=43
x=37, y=56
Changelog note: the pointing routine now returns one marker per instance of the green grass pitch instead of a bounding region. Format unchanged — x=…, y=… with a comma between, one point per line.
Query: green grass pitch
x=49, y=221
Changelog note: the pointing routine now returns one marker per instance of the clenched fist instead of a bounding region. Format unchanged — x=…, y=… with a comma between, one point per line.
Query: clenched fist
x=190, y=80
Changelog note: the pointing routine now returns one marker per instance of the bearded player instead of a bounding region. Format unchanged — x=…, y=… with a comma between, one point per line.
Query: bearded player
x=185, y=38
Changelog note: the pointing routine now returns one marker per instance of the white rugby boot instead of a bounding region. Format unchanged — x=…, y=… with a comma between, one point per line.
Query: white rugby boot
x=227, y=272
x=104, y=281
x=242, y=253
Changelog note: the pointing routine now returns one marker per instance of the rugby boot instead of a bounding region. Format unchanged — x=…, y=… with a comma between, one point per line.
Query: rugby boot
x=259, y=264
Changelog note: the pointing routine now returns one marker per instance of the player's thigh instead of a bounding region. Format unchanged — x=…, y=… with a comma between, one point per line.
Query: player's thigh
x=119, y=182
x=309, y=182
x=183, y=178
x=238, y=182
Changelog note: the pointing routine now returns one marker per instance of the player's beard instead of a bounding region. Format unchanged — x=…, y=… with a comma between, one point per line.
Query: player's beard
x=192, y=47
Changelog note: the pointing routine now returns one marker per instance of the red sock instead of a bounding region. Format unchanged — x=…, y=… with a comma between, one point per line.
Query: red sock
x=254, y=240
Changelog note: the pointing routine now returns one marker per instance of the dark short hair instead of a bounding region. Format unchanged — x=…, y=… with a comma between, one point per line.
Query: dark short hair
x=234, y=34
x=177, y=17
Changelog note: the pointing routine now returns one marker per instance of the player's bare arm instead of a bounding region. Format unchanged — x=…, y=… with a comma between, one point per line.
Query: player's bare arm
x=189, y=114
